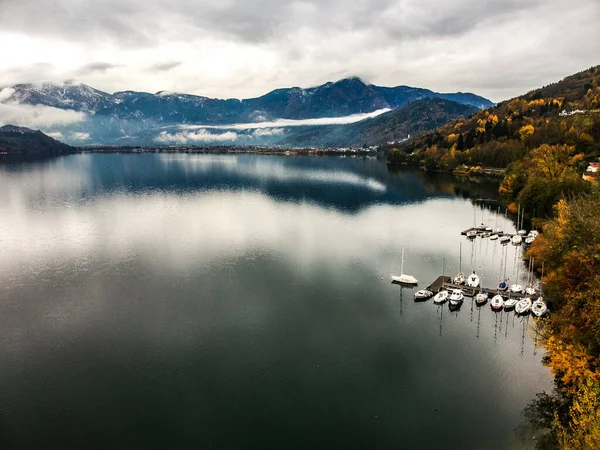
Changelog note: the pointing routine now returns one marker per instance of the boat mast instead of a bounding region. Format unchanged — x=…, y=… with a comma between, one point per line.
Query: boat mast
x=443, y=268
x=542, y=281
x=402, y=265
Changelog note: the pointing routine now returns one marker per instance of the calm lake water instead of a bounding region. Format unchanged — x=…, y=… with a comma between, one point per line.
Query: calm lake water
x=236, y=302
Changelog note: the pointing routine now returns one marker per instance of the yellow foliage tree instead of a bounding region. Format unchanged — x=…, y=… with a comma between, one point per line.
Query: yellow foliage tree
x=525, y=131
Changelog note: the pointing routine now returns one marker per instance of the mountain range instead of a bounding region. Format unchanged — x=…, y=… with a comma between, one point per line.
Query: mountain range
x=134, y=117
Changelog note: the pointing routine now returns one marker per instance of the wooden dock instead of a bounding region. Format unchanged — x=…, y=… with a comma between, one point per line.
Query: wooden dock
x=480, y=232
x=446, y=283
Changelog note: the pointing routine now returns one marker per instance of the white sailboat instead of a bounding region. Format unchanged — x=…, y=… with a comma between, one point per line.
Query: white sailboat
x=520, y=215
x=539, y=308
x=403, y=278
x=510, y=303
x=481, y=297
x=516, y=239
x=523, y=306
x=472, y=233
x=423, y=294
x=460, y=277
x=530, y=290
x=456, y=297
x=442, y=295
x=497, y=302
x=497, y=229
x=473, y=280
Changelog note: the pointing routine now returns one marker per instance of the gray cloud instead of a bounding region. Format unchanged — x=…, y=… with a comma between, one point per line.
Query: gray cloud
x=497, y=48
x=96, y=67
x=165, y=66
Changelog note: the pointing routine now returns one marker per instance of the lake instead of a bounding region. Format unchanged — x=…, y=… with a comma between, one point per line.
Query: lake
x=171, y=301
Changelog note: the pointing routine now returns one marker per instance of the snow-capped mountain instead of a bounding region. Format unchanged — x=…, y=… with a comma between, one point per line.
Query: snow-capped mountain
x=110, y=118
x=69, y=95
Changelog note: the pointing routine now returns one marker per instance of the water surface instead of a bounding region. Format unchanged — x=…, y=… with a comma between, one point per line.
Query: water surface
x=237, y=302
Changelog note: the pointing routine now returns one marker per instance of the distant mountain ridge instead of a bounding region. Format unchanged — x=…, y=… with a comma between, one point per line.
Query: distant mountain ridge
x=121, y=117
x=25, y=141
x=398, y=124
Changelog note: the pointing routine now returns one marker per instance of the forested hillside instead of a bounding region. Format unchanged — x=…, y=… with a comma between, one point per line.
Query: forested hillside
x=544, y=139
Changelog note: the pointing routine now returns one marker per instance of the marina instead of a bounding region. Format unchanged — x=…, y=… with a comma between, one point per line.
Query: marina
x=443, y=282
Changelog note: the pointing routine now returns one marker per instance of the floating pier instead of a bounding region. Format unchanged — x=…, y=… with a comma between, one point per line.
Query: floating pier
x=446, y=283
x=480, y=232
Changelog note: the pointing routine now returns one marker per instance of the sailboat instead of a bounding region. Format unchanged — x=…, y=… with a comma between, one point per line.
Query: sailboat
x=460, y=277
x=516, y=287
x=497, y=302
x=503, y=284
x=472, y=233
x=539, y=308
x=403, y=278
x=496, y=229
x=523, y=306
x=481, y=297
x=456, y=297
x=521, y=231
x=423, y=294
x=530, y=290
x=473, y=280
x=442, y=295
x=510, y=303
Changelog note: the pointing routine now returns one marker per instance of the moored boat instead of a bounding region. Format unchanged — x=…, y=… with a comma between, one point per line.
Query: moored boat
x=473, y=280
x=423, y=294
x=510, y=303
x=523, y=306
x=403, y=278
x=456, y=297
x=530, y=290
x=503, y=285
x=441, y=297
x=497, y=302
x=539, y=308
x=481, y=298
x=516, y=288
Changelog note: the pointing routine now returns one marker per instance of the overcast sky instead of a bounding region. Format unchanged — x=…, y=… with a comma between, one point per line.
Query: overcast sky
x=244, y=48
